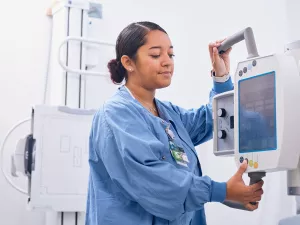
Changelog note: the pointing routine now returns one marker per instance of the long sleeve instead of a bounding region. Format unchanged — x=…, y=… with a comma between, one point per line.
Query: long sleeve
x=198, y=122
x=128, y=153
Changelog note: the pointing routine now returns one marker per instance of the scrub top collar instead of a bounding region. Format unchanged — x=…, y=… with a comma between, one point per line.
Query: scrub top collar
x=163, y=114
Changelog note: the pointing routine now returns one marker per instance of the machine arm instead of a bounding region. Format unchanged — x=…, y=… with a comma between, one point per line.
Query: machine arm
x=247, y=35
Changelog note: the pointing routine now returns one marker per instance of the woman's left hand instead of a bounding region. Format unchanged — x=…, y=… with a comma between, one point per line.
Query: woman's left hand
x=220, y=63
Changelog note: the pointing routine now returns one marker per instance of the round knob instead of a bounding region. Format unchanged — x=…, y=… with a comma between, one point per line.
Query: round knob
x=221, y=134
x=221, y=112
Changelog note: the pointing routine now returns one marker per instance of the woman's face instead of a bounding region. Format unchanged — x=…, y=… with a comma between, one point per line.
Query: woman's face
x=154, y=64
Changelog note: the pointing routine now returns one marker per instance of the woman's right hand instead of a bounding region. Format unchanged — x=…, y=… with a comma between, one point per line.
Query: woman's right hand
x=237, y=191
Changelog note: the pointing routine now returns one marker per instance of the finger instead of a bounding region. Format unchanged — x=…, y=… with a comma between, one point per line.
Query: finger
x=227, y=52
x=210, y=49
x=242, y=169
x=211, y=44
x=257, y=186
x=215, y=57
x=259, y=192
x=250, y=194
x=252, y=207
x=221, y=40
x=256, y=196
x=256, y=199
x=215, y=52
x=214, y=44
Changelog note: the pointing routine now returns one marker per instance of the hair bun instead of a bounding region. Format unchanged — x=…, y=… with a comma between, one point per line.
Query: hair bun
x=116, y=70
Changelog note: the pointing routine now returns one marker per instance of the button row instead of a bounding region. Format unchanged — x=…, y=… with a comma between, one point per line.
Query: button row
x=245, y=69
x=249, y=162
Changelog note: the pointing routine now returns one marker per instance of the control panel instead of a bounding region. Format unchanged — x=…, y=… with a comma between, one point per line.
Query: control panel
x=223, y=114
x=265, y=112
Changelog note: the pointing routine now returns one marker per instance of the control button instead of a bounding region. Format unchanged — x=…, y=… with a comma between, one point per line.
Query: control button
x=245, y=70
x=231, y=122
x=241, y=159
x=221, y=112
x=255, y=165
x=254, y=63
x=240, y=73
x=251, y=163
x=249, y=67
x=222, y=134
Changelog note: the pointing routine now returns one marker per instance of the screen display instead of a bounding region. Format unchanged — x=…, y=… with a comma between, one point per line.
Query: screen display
x=257, y=113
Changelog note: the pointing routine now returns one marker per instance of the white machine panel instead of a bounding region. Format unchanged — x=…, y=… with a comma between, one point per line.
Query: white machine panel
x=265, y=115
x=266, y=126
x=223, y=115
x=60, y=173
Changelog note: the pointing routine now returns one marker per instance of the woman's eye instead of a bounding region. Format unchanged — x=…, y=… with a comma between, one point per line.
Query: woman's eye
x=157, y=56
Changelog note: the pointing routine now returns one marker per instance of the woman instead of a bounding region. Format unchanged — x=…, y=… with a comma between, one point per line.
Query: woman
x=144, y=168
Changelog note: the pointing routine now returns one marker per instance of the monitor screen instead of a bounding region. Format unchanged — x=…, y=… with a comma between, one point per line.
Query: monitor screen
x=257, y=113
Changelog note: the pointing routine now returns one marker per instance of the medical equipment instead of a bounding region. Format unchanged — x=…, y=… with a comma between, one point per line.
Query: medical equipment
x=56, y=158
x=257, y=122
x=54, y=155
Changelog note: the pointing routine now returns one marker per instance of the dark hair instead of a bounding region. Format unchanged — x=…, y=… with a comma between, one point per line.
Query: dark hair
x=129, y=41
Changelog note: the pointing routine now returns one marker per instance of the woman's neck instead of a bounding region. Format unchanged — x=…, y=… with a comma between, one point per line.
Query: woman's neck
x=141, y=94
x=144, y=96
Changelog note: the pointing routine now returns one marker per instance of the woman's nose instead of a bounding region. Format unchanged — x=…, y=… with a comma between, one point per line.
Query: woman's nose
x=167, y=61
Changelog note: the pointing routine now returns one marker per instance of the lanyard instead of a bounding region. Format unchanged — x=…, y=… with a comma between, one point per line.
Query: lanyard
x=170, y=133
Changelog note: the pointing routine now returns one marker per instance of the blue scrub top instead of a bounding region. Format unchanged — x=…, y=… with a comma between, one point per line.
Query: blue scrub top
x=134, y=180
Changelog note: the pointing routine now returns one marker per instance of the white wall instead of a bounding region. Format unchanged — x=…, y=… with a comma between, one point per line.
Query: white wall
x=191, y=26
x=23, y=43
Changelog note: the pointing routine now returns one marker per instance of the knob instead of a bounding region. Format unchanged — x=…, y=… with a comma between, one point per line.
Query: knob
x=221, y=112
x=222, y=134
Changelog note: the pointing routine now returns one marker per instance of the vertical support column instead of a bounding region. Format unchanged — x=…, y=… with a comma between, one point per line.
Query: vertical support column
x=57, y=76
x=74, y=57
x=292, y=15
x=84, y=51
x=72, y=91
x=81, y=218
x=298, y=204
x=90, y=52
x=292, y=38
x=69, y=218
x=53, y=218
x=293, y=181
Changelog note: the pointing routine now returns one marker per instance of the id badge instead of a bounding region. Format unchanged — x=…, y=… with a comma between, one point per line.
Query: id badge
x=178, y=154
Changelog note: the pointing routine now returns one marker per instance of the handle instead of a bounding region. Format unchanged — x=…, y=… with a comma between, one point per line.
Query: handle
x=82, y=72
x=256, y=177
x=247, y=35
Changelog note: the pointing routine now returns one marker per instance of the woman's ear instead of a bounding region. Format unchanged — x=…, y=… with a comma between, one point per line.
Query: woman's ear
x=127, y=63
